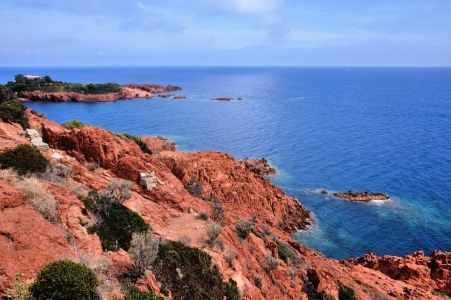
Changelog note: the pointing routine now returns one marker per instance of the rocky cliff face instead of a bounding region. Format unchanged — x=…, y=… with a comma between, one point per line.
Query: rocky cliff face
x=95, y=157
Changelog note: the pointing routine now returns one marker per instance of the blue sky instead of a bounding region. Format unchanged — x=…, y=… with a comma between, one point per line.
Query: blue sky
x=222, y=33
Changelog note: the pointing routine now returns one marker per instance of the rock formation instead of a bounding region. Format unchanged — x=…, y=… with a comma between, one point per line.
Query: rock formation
x=223, y=99
x=267, y=262
x=361, y=196
x=259, y=166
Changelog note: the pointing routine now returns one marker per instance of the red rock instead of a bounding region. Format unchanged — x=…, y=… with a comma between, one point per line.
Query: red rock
x=159, y=143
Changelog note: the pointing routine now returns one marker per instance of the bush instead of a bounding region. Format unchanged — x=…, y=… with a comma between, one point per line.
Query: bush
x=243, y=228
x=258, y=281
x=189, y=274
x=203, y=215
x=194, y=187
x=73, y=124
x=269, y=263
x=24, y=159
x=12, y=110
x=20, y=289
x=218, y=211
x=116, y=223
x=143, y=250
x=64, y=279
x=230, y=257
x=120, y=190
x=213, y=231
x=346, y=293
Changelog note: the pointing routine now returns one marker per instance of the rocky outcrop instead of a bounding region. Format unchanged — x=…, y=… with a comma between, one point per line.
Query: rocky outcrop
x=130, y=91
x=432, y=271
x=159, y=143
x=223, y=99
x=172, y=88
x=258, y=166
x=180, y=97
x=361, y=196
x=249, y=192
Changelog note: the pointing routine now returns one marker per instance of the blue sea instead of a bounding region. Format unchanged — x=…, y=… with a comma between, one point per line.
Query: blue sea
x=382, y=130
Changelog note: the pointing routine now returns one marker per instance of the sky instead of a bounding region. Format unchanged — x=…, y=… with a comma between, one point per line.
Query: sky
x=225, y=33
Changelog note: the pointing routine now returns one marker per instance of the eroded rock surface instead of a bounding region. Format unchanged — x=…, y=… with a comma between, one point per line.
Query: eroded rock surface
x=361, y=196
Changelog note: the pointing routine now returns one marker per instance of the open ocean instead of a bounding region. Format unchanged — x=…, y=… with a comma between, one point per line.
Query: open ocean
x=382, y=130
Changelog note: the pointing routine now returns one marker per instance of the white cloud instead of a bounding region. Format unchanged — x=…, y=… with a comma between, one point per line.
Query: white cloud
x=242, y=6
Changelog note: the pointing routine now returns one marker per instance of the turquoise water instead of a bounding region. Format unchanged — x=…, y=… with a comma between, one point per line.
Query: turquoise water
x=378, y=129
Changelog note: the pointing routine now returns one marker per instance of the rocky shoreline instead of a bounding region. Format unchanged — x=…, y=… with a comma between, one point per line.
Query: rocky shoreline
x=256, y=249
x=130, y=91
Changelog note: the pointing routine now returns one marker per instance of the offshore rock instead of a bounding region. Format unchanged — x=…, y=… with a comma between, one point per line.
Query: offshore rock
x=223, y=99
x=180, y=97
x=361, y=196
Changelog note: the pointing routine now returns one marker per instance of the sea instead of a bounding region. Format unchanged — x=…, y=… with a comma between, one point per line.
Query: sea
x=384, y=130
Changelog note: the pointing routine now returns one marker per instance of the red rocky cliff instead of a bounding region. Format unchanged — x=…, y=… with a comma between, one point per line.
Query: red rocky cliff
x=31, y=241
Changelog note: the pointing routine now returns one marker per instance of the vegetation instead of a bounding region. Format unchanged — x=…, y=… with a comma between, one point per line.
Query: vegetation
x=135, y=294
x=269, y=263
x=218, y=211
x=64, y=279
x=142, y=145
x=143, y=251
x=12, y=110
x=24, y=159
x=194, y=187
x=243, y=228
x=73, y=124
x=35, y=192
x=138, y=140
x=213, y=232
x=203, y=215
x=346, y=293
x=47, y=84
x=116, y=223
x=20, y=290
x=189, y=274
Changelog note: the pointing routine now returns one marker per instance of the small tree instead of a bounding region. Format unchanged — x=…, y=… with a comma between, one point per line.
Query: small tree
x=64, y=279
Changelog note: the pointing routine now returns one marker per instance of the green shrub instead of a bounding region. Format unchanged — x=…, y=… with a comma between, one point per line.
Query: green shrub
x=346, y=293
x=135, y=294
x=189, y=274
x=73, y=124
x=116, y=223
x=64, y=279
x=142, y=145
x=24, y=159
x=14, y=111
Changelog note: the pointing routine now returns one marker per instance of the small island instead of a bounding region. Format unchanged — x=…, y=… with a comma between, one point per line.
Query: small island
x=361, y=196
x=225, y=99
x=38, y=88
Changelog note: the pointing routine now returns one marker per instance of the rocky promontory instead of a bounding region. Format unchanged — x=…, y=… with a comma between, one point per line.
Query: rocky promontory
x=361, y=196
x=130, y=91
